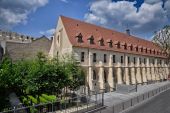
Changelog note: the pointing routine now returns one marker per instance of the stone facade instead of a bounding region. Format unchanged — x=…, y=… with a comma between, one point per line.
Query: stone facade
x=106, y=68
x=19, y=46
x=18, y=51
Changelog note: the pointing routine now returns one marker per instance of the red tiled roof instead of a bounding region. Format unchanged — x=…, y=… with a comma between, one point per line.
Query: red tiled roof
x=74, y=27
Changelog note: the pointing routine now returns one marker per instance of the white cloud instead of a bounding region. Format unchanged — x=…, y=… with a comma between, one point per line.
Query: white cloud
x=167, y=7
x=48, y=32
x=65, y=1
x=12, y=18
x=152, y=1
x=15, y=12
x=118, y=15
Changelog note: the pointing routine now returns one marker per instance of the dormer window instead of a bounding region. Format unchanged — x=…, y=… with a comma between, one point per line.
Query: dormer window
x=131, y=47
x=150, y=51
x=79, y=38
x=101, y=42
x=154, y=52
x=125, y=46
x=137, y=48
x=146, y=50
x=91, y=40
x=110, y=42
x=117, y=44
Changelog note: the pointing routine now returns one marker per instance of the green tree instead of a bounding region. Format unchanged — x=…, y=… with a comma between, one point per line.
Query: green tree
x=74, y=72
x=6, y=78
x=162, y=39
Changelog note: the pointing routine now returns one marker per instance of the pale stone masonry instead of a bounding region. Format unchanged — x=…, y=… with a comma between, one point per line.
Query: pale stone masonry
x=18, y=51
x=18, y=46
x=105, y=64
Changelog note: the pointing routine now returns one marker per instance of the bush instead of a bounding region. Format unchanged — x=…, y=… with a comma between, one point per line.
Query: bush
x=25, y=101
x=49, y=97
x=34, y=100
x=33, y=110
x=42, y=100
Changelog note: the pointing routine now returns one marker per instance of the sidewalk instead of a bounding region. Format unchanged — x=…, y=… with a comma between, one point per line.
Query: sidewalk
x=116, y=102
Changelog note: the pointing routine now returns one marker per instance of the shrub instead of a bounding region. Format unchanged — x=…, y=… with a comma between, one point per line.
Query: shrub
x=25, y=101
x=33, y=110
x=42, y=100
x=49, y=97
x=34, y=100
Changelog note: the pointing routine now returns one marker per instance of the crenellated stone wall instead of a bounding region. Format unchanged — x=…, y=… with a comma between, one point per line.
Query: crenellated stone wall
x=15, y=37
x=18, y=51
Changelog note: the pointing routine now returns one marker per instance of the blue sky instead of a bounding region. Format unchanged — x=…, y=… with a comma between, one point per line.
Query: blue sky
x=38, y=17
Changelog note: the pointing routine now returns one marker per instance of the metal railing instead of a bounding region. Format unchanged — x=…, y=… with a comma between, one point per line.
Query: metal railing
x=78, y=104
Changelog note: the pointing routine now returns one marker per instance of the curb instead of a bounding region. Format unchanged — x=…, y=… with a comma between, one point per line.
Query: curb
x=120, y=107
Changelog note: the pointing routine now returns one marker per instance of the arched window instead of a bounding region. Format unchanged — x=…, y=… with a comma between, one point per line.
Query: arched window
x=94, y=75
x=1, y=52
x=105, y=77
x=58, y=39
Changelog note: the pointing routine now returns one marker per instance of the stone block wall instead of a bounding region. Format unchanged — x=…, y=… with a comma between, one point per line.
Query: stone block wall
x=18, y=51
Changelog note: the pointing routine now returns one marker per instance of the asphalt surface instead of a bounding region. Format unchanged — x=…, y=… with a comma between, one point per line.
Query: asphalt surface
x=157, y=104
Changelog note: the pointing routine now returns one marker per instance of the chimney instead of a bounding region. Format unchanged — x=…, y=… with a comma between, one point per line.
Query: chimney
x=52, y=37
x=128, y=32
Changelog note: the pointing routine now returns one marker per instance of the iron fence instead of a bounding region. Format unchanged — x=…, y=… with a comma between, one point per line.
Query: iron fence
x=77, y=104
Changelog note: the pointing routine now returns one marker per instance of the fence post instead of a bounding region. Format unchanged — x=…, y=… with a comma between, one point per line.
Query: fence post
x=87, y=102
x=65, y=105
x=77, y=103
x=96, y=98
x=14, y=109
x=52, y=106
x=102, y=99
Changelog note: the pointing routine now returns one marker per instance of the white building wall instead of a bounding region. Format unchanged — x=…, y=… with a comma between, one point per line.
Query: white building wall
x=126, y=73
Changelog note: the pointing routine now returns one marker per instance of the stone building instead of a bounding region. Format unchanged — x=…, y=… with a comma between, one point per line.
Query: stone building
x=109, y=57
x=19, y=46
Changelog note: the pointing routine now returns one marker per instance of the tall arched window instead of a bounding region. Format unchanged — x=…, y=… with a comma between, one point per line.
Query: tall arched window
x=1, y=52
x=94, y=75
x=58, y=40
x=105, y=77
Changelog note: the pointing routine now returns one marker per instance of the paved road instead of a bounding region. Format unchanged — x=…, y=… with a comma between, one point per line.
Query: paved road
x=158, y=104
